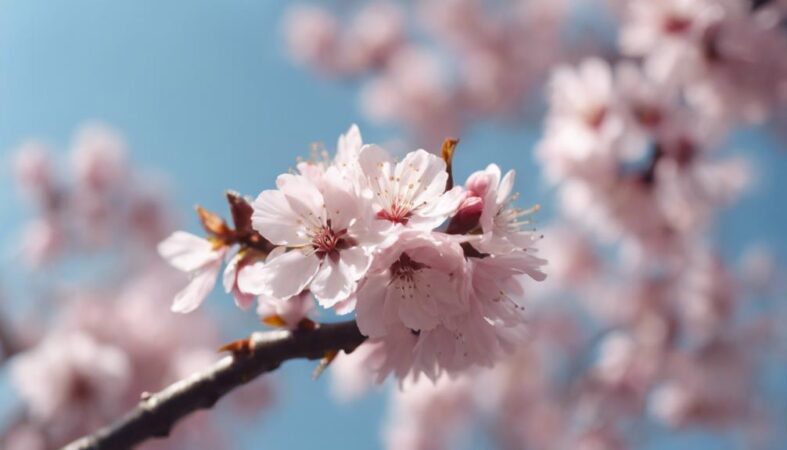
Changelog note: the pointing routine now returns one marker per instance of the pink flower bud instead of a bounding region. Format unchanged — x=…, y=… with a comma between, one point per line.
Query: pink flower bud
x=478, y=183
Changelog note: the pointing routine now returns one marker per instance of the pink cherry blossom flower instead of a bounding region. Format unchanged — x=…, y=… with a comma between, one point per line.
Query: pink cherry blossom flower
x=345, y=161
x=327, y=232
x=198, y=257
x=501, y=224
x=401, y=287
x=410, y=192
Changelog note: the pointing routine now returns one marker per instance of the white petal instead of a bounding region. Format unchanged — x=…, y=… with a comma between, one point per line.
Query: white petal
x=506, y=186
x=250, y=279
x=275, y=220
x=288, y=274
x=332, y=283
x=369, y=308
x=371, y=159
x=231, y=273
x=198, y=288
x=431, y=175
x=349, y=145
x=187, y=252
x=357, y=261
x=340, y=204
x=447, y=204
x=415, y=307
x=303, y=196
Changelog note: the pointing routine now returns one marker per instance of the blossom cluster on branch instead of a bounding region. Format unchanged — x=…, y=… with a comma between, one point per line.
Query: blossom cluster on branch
x=432, y=270
x=646, y=322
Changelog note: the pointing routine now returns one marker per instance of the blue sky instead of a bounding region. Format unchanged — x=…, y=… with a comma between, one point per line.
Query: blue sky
x=203, y=91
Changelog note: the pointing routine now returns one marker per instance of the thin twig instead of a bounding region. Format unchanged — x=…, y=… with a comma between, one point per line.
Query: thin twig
x=263, y=352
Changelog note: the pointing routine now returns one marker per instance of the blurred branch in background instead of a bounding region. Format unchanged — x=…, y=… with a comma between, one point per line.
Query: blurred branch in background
x=262, y=352
x=8, y=344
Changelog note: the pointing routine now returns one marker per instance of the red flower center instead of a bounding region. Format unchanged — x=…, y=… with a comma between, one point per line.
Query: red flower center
x=396, y=213
x=329, y=242
x=405, y=267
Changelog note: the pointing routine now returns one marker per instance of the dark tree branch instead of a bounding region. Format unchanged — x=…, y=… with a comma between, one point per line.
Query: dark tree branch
x=263, y=352
x=8, y=344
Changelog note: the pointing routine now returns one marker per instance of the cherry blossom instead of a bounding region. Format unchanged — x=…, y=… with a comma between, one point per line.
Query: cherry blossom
x=324, y=227
x=501, y=224
x=401, y=288
x=410, y=192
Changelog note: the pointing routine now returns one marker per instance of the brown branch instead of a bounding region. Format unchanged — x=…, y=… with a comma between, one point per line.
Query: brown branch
x=263, y=352
x=8, y=344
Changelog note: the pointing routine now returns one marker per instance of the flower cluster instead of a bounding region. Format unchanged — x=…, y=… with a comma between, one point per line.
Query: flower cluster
x=99, y=202
x=407, y=79
x=630, y=159
x=433, y=271
x=107, y=336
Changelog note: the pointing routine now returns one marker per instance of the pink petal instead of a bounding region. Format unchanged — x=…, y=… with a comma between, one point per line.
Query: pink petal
x=250, y=280
x=197, y=290
x=275, y=219
x=369, y=309
x=357, y=262
x=187, y=252
x=288, y=274
x=332, y=283
x=302, y=195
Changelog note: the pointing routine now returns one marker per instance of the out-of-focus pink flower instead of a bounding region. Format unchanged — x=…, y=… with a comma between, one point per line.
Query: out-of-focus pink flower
x=25, y=436
x=34, y=172
x=99, y=159
x=717, y=48
x=709, y=386
x=572, y=258
x=42, y=241
x=372, y=36
x=426, y=416
x=72, y=374
x=413, y=91
x=352, y=375
x=626, y=368
x=312, y=35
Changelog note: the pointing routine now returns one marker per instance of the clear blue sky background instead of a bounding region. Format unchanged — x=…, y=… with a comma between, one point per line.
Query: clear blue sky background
x=203, y=91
